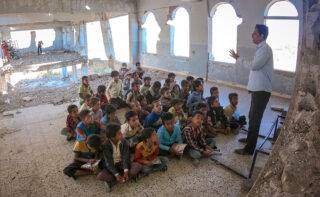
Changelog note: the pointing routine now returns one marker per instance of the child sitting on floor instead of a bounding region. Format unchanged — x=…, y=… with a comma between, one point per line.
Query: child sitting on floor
x=184, y=94
x=195, y=96
x=178, y=113
x=84, y=89
x=127, y=81
x=86, y=102
x=122, y=74
x=169, y=134
x=102, y=96
x=194, y=136
x=132, y=128
x=219, y=120
x=136, y=78
x=146, y=86
x=142, y=114
x=84, y=152
x=154, y=118
x=115, y=91
x=190, y=80
x=172, y=78
x=175, y=92
x=139, y=70
x=147, y=153
x=116, y=164
x=132, y=94
x=235, y=122
x=87, y=126
x=165, y=99
x=109, y=117
x=153, y=93
x=96, y=111
x=214, y=91
x=208, y=129
x=71, y=122
x=167, y=83
x=143, y=103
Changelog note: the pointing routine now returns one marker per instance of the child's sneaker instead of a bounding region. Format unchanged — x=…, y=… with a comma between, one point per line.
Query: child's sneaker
x=196, y=162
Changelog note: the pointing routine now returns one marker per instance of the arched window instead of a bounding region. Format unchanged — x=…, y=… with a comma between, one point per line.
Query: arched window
x=283, y=22
x=151, y=31
x=224, y=32
x=180, y=39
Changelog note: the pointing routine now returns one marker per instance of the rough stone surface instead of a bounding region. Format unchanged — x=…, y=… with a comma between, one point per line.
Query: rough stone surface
x=293, y=168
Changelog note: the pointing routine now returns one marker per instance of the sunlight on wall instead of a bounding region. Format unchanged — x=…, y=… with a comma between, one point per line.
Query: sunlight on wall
x=120, y=37
x=224, y=32
x=95, y=41
x=181, y=38
x=23, y=38
x=152, y=33
x=283, y=35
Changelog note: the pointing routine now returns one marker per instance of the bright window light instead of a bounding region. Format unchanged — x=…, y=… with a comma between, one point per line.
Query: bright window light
x=283, y=35
x=23, y=38
x=181, y=39
x=224, y=32
x=47, y=36
x=95, y=41
x=120, y=37
x=152, y=33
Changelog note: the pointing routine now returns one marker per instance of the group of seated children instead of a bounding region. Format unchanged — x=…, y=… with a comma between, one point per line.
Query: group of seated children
x=152, y=129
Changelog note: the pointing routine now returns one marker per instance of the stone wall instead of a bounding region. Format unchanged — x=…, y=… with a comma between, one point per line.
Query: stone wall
x=293, y=168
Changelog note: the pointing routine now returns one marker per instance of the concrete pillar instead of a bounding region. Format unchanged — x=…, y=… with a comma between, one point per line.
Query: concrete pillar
x=68, y=38
x=64, y=38
x=33, y=40
x=107, y=38
x=64, y=72
x=84, y=69
x=74, y=74
x=77, y=38
x=57, y=43
x=83, y=40
x=134, y=38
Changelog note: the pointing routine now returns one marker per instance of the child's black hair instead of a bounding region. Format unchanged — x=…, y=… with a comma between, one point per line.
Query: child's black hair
x=163, y=90
x=197, y=112
x=231, y=95
x=94, y=141
x=175, y=87
x=154, y=102
x=130, y=114
x=196, y=84
x=210, y=100
x=171, y=75
x=200, y=105
x=166, y=116
x=94, y=101
x=135, y=74
x=190, y=78
x=176, y=101
x=200, y=79
x=84, y=77
x=71, y=107
x=101, y=88
x=134, y=84
x=156, y=84
x=84, y=113
x=110, y=109
x=184, y=83
x=137, y=63
x=146, y=134
x=112, y=130
x=146, y=79
x=114, y=73
x=140, y=98
x=167, y=81
x=87, y=97
x=212, y=89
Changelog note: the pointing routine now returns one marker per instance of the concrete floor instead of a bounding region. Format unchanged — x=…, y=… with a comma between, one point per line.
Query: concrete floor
x=33, y=155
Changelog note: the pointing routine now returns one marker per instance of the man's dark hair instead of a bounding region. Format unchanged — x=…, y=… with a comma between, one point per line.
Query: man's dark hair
x=196, y=84
x=197, y=112
x=130, y=114
x=94, y=101
x=212, y=89
x=140, y=98
x=200, y=105
x=110, y=109
x=231, y=95
x=156, y=84
x=190, y=78
x=184, y=83
x=263, y=29
x=84, y=113
x=112, y=130
x=146, y=79
x=176, y=101
x=163, y=90
x=71, y=107
x=146, y=134
x=134, y=84
x=84, y=77
x=166, y=116
x=101, y=88
x=171, y=75
x=94, y=141
x=210, y=100
x=114, y=73
x=87, y=97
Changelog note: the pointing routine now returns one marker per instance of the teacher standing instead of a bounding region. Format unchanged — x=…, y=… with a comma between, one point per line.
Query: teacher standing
x=259, y=85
